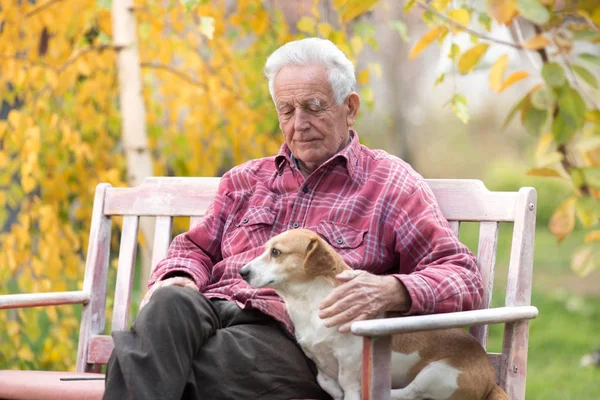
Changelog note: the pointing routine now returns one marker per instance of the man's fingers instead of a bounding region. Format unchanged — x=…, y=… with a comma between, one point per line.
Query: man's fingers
x=344, y=316
x=347, y=275
x=345, y=328
x=334, y=302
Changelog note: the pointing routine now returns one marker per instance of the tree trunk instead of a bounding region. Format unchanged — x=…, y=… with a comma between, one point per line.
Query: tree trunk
x=133, y=114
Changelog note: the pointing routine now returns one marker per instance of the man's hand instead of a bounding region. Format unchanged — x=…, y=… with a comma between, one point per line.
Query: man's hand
x=174, y=281
x=362, y=296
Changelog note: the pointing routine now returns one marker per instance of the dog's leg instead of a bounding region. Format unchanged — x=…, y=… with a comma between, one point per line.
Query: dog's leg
x=437, y=381
x=330, y=385
x=349, y=379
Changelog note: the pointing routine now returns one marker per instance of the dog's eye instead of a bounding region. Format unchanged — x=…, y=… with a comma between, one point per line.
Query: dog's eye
x=275, y=252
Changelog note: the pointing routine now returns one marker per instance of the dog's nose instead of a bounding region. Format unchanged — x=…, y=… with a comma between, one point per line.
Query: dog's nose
x=245, y=272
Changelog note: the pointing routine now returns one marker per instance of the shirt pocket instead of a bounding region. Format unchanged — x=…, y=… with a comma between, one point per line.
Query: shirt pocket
x=252, y=229
x=345, y=239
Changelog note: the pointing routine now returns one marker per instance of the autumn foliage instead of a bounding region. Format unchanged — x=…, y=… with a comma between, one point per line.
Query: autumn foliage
x=207, y=109
x=563, y=111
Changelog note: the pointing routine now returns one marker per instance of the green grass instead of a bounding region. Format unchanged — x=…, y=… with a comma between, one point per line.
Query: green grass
x=568, y=325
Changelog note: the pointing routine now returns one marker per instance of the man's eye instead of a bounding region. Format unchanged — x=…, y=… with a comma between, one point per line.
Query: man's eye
x=275, y=252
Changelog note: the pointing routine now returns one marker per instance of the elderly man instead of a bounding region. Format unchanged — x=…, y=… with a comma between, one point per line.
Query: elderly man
x=204, y=333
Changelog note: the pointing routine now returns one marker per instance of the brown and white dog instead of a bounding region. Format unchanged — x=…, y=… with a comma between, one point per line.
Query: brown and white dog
x=446, y=364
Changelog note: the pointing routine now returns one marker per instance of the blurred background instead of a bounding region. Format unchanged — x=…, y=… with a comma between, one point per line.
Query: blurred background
x=71, y=116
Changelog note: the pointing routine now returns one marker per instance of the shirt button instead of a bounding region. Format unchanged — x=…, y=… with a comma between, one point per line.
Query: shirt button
x=245, y=220
x=339, y=240
x=305, y=189
x=296, y=225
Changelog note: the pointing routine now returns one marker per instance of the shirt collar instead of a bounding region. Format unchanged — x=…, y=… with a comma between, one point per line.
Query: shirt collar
x=350, y=154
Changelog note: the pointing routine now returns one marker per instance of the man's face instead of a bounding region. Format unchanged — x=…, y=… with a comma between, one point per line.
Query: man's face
x=313, y=125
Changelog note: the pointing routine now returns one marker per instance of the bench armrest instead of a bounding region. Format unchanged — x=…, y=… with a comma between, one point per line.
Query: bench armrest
x=418, y=323
x=43, y=299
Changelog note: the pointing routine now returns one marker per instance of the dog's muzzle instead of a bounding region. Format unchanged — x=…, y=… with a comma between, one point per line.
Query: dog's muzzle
x=245, y=272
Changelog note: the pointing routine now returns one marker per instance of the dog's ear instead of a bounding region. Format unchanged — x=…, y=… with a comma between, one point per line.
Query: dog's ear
x=320, y=258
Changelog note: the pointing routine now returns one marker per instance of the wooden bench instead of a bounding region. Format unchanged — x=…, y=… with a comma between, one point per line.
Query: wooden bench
x=165, y=198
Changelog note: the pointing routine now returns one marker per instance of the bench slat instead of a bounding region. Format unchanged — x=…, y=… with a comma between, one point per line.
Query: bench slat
x=127, y=252
x=177, y=197
x=486, y=259
x=43, y=299
x=162, y=239
x=100, y=348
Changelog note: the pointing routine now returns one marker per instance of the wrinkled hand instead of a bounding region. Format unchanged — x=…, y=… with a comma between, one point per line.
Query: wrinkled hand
x=362, y=296
x=174, y=281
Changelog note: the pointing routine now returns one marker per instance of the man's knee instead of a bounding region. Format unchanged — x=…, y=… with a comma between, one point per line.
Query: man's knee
x=171, y=302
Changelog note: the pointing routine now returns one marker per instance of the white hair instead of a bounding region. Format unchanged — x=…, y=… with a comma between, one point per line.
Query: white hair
x=313, y=51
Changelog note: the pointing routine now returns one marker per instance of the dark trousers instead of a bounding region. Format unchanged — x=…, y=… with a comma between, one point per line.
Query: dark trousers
x=185, y=346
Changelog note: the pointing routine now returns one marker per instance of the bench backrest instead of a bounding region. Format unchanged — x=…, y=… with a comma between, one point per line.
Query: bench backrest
x=166, y=197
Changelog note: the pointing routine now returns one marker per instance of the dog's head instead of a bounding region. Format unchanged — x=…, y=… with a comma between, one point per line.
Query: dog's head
x=295, y=256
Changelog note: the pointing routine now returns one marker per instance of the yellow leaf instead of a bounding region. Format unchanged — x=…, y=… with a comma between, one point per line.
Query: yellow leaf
x=52, y=314
x=426, y=40
x=544, y=171
x=497, y=72
x=14, y=118
x=324, y=29
x=563, y=220
x=354, y=8
x=356, y=43
x=513, y=78
x=461, y=16
x=469, y=59
x=363, y=77
x=593, y=236
x=502, y=11
x=583, y=261
x=25, y=354
x=306, y=25
x=536, y=42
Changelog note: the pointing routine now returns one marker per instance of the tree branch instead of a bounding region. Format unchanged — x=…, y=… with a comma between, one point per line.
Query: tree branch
x=567, y=164
x=181, y=75
x=464, y=28
x=41, y=7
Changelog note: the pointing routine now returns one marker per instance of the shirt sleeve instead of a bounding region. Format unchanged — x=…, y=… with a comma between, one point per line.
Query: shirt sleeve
x=194, y=253
x=439, y=272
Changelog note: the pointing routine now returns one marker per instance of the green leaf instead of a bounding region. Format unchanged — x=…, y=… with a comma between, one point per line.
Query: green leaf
x=587, y=209
x=591, y=176
x=561, y=131
x=409, y=5
x=543, y=99
x=534, y=11
x=513, y=111
x=459, y=107
x=535, y=121
x=554, y=74
x=103, y=4
x=364, y=30
x=586, y=75
x=440, y=79
x=485, y=20
x=590, y=58
x=188, y=4
x=401, y=28
x=586, y=35
x=572, y=107
x=454, y=52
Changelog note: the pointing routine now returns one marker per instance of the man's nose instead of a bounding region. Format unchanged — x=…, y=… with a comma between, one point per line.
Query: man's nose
x=301, y=122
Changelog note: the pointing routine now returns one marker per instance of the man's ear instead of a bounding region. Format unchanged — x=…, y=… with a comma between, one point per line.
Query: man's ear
x=353, y=105
x=319, y=258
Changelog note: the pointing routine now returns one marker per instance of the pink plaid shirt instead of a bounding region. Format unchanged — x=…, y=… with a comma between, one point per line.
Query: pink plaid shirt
x=372, y=207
